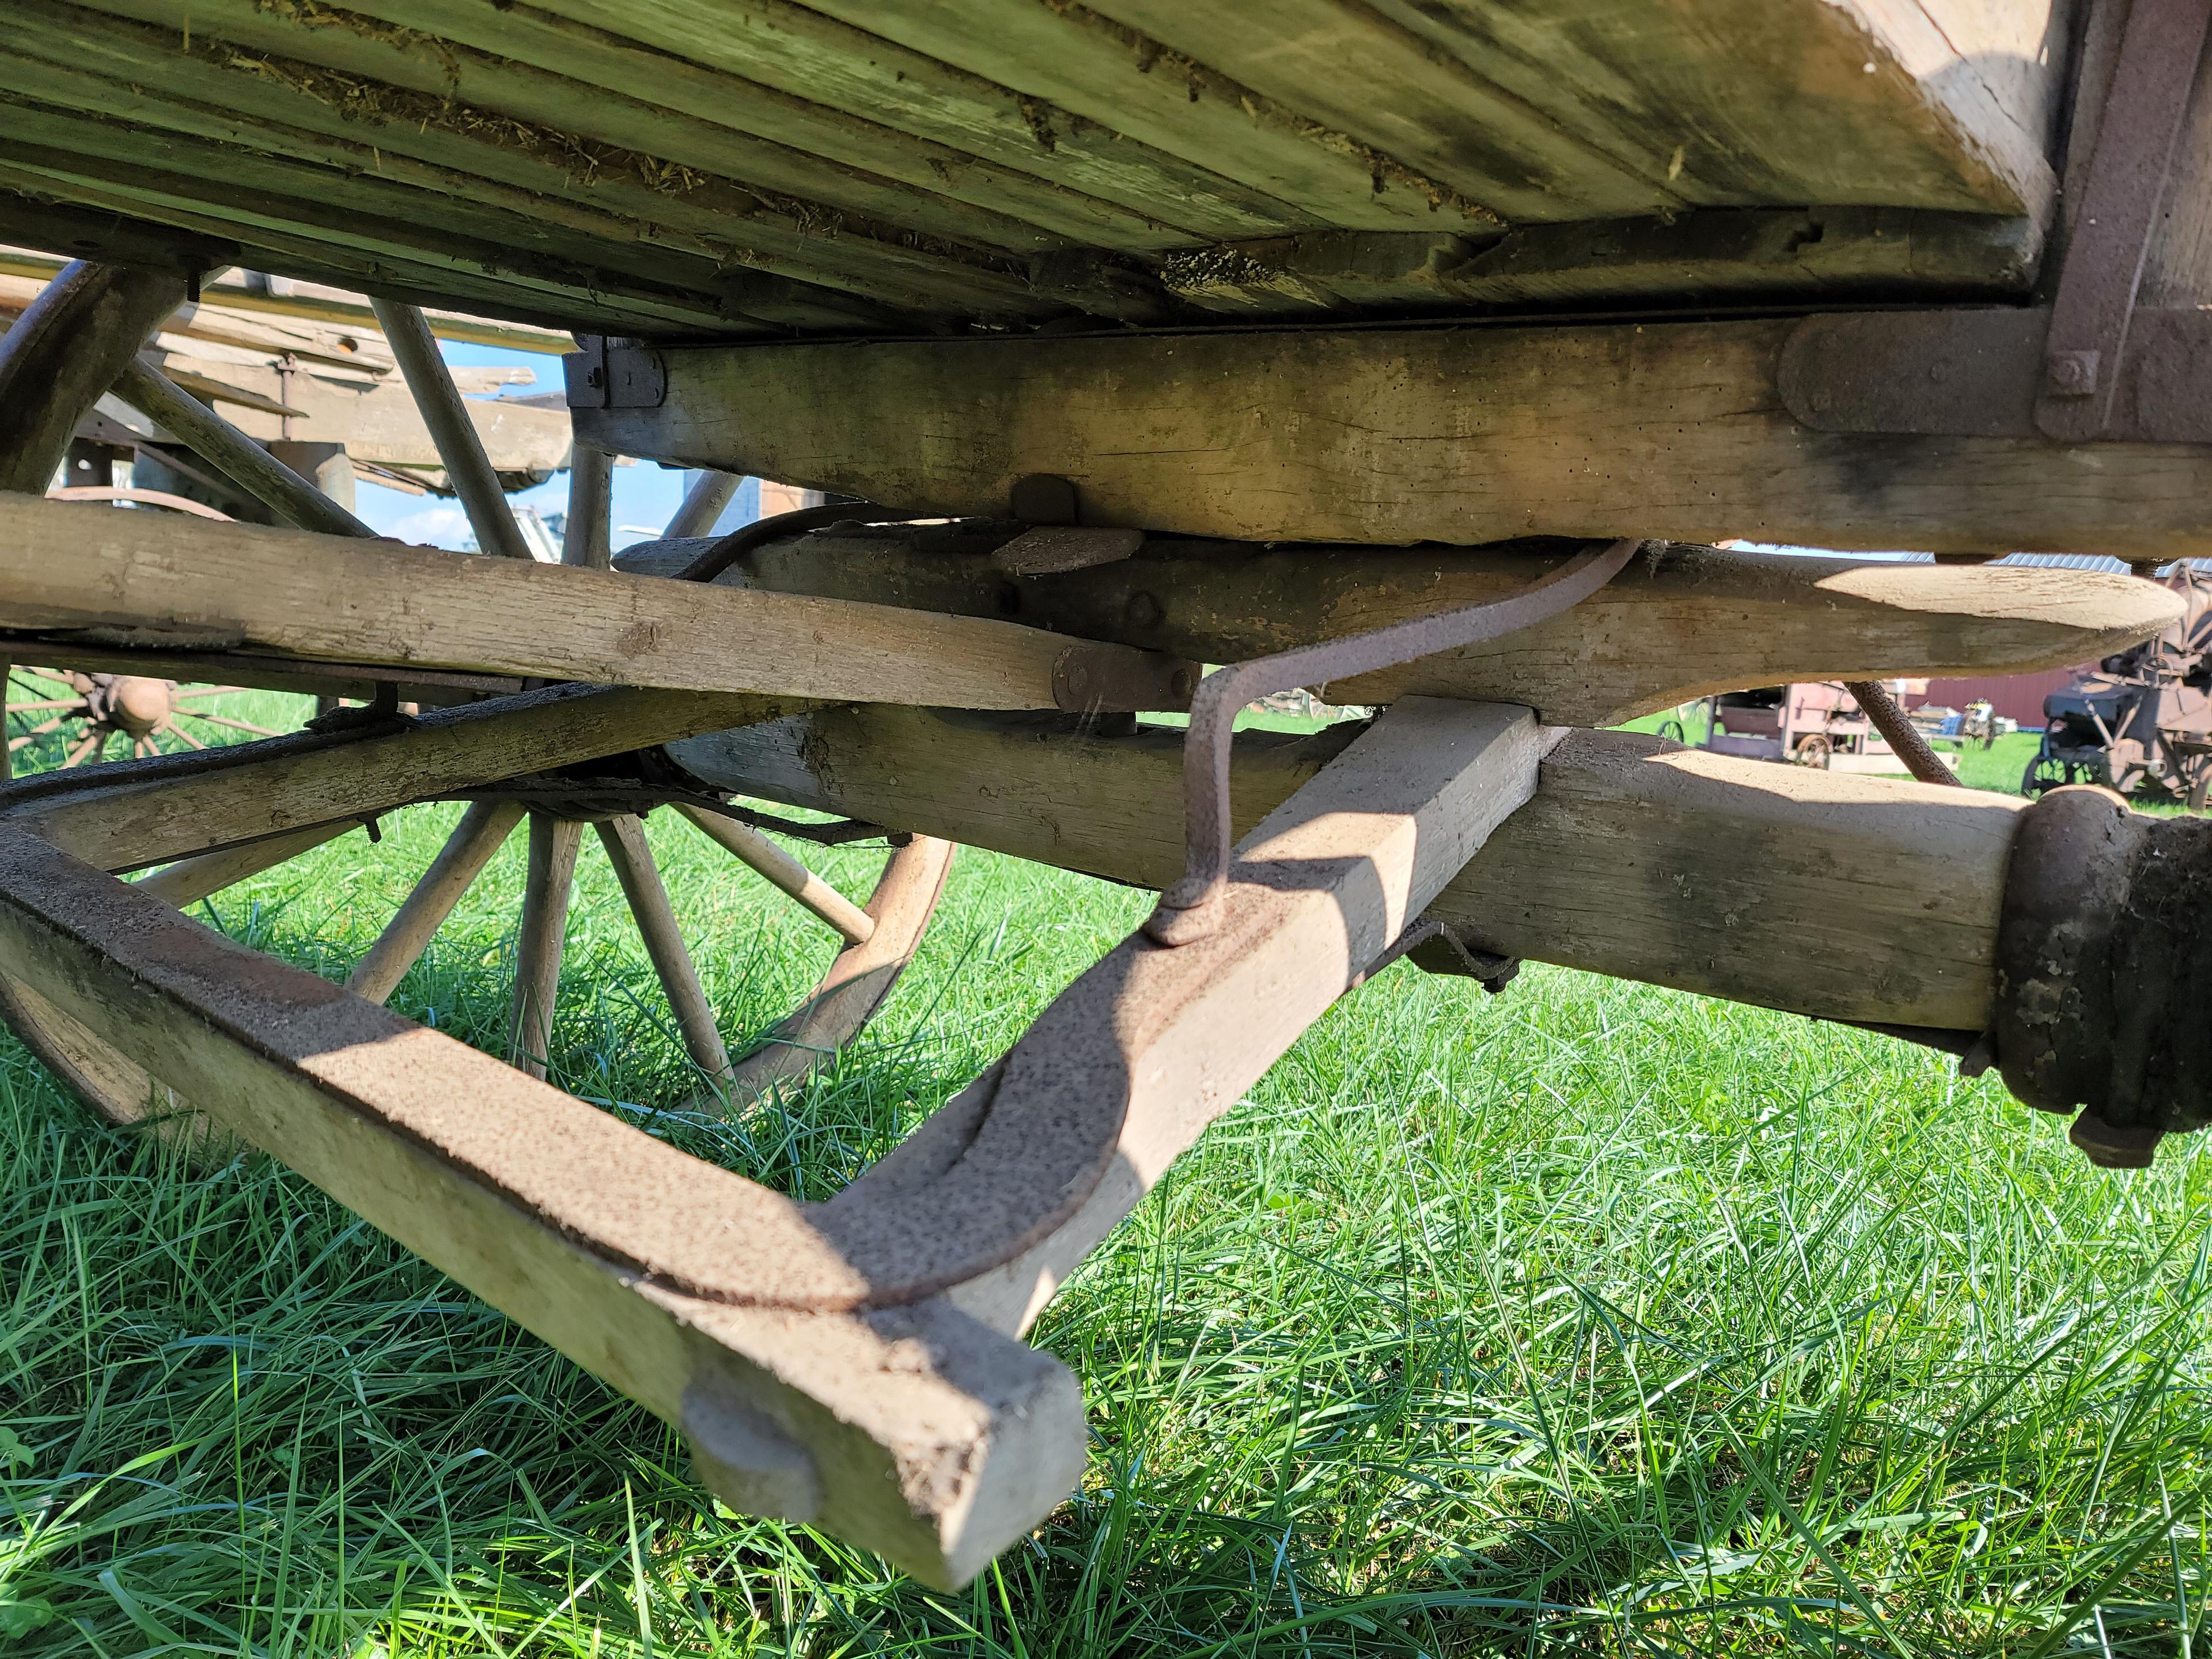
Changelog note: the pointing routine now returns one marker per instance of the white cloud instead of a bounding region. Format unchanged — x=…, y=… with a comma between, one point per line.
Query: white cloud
x=443, y=525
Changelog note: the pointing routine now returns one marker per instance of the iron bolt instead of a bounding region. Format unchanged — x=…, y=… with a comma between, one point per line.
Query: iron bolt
x=2073, y=374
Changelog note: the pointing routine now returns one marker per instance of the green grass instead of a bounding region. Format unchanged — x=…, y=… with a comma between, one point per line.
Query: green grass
x=1589, y=1318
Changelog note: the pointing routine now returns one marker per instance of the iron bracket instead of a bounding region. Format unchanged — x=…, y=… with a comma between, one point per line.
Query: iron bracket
x=2088, y=367
x=601, y=374
x=1980, y=373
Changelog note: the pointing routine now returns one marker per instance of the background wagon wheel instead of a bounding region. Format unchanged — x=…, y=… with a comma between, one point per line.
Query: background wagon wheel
x=89, y=712
x=879, y=940
x=1814, y=751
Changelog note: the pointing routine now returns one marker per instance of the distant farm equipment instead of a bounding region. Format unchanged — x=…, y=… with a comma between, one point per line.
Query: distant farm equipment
x=2140, y=722
x=1811, y=723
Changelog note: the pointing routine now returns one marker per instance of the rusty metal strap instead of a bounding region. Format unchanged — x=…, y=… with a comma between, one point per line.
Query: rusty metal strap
x=2104, y=971
x=1188, y=910
x=2109, y=235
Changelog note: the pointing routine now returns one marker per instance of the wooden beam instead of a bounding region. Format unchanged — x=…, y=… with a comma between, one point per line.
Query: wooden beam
x=137, y=813
x=919, y=1433
x=1391, y=436
x=1842, y=897
x=1700, y=258
x=62, y=352
x=164, y=581
x=1679, y=623
x=1126, y=1067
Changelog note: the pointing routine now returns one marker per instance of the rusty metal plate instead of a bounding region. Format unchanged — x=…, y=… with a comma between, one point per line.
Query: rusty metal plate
x=1978, y=373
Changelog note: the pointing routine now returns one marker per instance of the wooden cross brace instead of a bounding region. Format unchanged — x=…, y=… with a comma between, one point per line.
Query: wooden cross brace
x=852, y=1364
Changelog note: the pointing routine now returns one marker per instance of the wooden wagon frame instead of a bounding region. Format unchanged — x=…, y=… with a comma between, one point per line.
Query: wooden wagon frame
x=1419, y=355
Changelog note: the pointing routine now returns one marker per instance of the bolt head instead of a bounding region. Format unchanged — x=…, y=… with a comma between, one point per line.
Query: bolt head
x=2073, y=374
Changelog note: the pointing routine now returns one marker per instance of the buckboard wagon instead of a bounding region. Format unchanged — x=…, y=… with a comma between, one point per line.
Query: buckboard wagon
x=1412, y=354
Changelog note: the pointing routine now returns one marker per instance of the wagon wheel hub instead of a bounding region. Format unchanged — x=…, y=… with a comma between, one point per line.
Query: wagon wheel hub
x=138, y=705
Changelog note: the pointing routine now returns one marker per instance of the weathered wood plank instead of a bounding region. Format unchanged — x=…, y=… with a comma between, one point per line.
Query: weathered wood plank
x=1710, y=256
x=1750, y=102
x=1679, y=623
x=92, y=162
x=918, y=1433
x=63, y=213
x=162, y=582
x=1127, y=1067
x=1439, y=116
x=1072, y=80
x=757, y=94
x=1673, y=430
x=372, y=66
x=467, y=210
x=1842, y=897
x=132, y=814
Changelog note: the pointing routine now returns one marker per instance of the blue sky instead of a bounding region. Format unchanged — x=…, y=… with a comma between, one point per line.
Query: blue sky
x=646, y=494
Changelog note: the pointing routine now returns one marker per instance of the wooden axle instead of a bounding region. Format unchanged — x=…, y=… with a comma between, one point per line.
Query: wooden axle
x=1838, y=896
x=1398, y=435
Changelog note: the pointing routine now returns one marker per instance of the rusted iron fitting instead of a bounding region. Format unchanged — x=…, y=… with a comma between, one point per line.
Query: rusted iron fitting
x=1191, y=908
x=2104, y=972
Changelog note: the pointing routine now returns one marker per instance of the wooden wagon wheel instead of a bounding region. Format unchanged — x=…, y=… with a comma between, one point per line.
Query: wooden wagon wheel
x=878, y=939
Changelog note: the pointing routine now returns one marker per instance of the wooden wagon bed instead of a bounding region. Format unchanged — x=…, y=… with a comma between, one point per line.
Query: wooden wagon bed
x=683, y=168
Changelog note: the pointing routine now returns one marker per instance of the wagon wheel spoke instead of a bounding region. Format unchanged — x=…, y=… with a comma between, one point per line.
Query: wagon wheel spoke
x=206, y=691
x=861, y=977
x=627, y=850
x=483, y=830
x=553, y=845
x=36, y=732
x=223, y=720
x=185, y=736
x=45, y=703
x=86, y=747
x=852, y=924
x=189, y=880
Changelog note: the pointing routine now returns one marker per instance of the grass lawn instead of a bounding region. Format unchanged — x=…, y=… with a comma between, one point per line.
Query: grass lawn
x=1587, y=1318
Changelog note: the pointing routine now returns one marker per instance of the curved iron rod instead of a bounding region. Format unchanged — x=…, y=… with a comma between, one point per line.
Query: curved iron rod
x=1187, y=910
